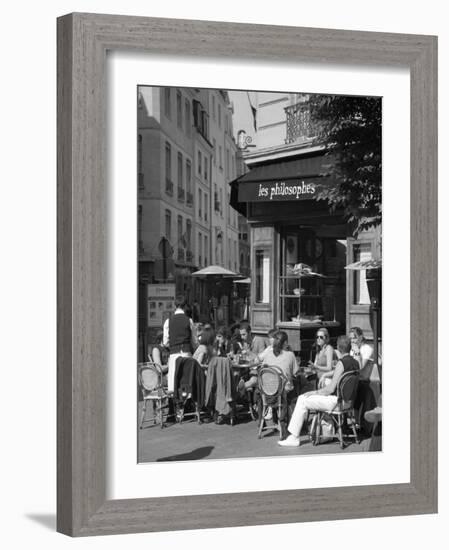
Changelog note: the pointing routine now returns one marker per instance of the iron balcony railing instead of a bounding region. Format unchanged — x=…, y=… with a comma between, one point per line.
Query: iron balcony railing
x=299, y=124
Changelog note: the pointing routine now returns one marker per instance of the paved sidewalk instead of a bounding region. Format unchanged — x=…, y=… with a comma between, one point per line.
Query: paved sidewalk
x=192, y=441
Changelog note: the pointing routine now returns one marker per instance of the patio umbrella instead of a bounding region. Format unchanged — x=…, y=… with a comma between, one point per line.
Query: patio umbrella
x=214, y=270
x=365, y=264
x=246, y=281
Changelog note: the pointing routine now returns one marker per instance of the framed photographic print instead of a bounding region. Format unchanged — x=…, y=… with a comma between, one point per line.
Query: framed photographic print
x=233, y=249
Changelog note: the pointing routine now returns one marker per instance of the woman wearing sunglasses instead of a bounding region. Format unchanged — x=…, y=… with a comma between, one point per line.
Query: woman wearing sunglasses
x=325, y=354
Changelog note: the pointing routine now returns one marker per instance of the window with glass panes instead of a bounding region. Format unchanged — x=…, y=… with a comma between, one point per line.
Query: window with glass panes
x=179, y=109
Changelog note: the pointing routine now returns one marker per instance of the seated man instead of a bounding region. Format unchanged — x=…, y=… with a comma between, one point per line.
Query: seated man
x=254, y=344
x=324, y=399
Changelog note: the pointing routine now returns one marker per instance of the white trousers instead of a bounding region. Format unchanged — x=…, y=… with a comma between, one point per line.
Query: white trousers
x=171, y=368
x=304, y=404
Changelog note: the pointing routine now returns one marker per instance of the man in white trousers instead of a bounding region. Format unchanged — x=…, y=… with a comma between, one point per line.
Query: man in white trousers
x=324, y=399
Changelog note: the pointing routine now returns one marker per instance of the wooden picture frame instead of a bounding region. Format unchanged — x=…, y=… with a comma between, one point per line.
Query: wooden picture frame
x=83, y=40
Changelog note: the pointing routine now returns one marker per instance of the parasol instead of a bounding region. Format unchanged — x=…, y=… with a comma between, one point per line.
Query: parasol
x=214, y=270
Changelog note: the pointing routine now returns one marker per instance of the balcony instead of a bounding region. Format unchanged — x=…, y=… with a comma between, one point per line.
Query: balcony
x=189, y=198
x=189, y=256
x=299, y=125
x=169, y=187
x=181, y=194
x=181, y=255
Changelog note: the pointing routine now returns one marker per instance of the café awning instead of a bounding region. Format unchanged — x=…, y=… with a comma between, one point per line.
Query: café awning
x=297, y=179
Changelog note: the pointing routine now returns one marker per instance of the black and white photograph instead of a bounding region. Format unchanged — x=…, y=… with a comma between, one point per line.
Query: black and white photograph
x=259, y=273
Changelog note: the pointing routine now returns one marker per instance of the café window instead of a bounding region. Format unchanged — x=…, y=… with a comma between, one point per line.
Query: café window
x=262, y=263
x=361, y=252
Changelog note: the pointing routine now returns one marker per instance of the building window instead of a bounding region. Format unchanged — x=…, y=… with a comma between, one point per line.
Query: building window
x=200, y=246
x=139, y=153
x=214, y=151
x=189, y=198
x=220, y=157
x=200, y=201
x=139, y=228
x=205, y=168
x=205, y=206
x=214, y=116
x=168, y=224
x=141, y=184
x=168, y=179
x=219, y=116
x=180, y=178
x=361, y=252
x=221, y=203
x=180, y=231
x=179, y=109
x=227, y=164
x=187, y=117
x=199, y=163
x=189, y=234
x=206, y=246
x=167, y=102
x=216, y=203
x=200, y=119
x=262, y=277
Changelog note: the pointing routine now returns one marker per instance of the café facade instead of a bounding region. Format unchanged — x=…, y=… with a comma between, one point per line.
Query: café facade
x=300, y=250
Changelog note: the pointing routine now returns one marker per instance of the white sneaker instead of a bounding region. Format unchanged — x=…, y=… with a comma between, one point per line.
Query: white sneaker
x=291, y=441
x=269, y=414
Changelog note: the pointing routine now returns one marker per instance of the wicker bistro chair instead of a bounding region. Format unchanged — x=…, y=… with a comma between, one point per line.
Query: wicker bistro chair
x=344, y=410
x=271, y=384
x=153, y=390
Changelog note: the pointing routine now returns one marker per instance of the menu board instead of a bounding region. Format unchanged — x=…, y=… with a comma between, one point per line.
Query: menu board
x=161, y=303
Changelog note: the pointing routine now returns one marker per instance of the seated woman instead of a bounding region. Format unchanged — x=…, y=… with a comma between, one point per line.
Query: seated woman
x=205, y=350
x=223, y=342
x=360, y=349
x=280, y=356
x=325, y=355
x=159, y=353
x=270, y=335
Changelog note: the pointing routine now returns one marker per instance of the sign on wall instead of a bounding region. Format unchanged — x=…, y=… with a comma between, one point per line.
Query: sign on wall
x=161, y=303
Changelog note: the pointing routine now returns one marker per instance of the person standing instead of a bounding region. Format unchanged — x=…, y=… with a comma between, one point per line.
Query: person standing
x=179, y=337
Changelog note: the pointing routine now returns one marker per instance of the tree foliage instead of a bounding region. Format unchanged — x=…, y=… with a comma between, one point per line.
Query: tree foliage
x=350, y=127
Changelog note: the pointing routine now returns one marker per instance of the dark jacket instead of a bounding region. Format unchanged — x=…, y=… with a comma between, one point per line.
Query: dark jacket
x=190, y=380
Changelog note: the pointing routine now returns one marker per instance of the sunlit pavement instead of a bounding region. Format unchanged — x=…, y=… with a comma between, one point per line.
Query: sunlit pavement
x=192, y=441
